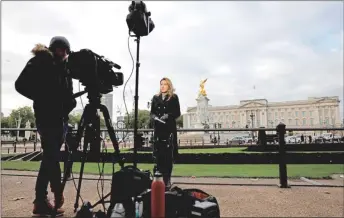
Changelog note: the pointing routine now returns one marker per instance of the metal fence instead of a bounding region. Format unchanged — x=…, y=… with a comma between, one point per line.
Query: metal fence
x=209, y=138
x=282, y=158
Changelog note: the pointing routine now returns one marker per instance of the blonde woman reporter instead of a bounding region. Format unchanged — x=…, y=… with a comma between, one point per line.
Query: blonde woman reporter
x=165, y=109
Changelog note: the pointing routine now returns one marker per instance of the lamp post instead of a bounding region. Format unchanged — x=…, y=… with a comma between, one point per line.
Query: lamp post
x=270, y=123
x=248, y=124
x=217, y=126
x=18, y=122
x=252, y=120
x=218, y=132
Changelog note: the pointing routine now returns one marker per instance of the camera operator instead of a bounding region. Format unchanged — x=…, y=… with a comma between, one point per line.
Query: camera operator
x=45, y=80
x=165, y=106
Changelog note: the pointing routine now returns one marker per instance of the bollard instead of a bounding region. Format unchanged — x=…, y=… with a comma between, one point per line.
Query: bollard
x=202, y=142
x=8, y=151
x=282, y=157
x=15, y=147
x=25, y=150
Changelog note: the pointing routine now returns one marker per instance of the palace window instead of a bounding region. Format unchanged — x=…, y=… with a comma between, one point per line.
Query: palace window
x=312, y=122
x=310, y=113
x=304, y=122
x=303, y=113
x=296, y=113
x=296, y=122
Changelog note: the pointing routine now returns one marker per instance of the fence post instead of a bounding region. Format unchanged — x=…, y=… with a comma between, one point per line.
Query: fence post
x=261, y=137
x=282, y=157
x=15, y=147
x=35, y=142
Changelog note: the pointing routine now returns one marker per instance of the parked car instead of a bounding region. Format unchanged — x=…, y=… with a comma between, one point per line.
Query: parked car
x=293, y=139
x=329, y=137
x=237, y=140
x=247, y=139
x=319, y=139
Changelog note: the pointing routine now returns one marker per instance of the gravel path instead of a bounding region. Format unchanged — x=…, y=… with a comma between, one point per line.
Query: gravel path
x=250, y=200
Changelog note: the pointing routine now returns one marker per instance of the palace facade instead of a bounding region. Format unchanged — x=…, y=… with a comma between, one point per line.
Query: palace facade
x=313, y=112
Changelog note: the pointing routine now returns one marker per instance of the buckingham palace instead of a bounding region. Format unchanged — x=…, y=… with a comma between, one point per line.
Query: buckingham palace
x=312, y=112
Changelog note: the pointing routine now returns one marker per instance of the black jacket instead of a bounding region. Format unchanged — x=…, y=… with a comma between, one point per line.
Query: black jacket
x=167, y=106
x=48, y=85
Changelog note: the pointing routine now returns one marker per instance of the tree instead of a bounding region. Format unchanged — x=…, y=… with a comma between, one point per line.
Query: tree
x=23, y=113
x=5, y=122
x=75, y=119
x=143, y=118
x=179, y=121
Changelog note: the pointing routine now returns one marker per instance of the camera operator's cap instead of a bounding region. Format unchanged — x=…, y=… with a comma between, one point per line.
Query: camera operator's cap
x=59, y=42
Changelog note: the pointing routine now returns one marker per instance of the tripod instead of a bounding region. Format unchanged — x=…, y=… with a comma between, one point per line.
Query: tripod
x=87, y=124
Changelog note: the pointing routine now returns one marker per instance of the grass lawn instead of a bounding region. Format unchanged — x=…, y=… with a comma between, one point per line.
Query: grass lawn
x=261, y=170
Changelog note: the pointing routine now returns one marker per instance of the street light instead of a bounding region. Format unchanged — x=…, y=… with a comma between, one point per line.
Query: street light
x=252, y=117
x=271, y=123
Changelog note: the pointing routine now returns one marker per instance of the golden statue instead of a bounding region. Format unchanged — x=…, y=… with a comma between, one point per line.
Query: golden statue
x=202, y=90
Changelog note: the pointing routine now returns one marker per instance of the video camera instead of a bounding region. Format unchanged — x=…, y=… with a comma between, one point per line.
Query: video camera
x=94, y=71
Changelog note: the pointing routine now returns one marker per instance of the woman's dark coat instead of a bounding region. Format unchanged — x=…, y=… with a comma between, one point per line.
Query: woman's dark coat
x=171, y=107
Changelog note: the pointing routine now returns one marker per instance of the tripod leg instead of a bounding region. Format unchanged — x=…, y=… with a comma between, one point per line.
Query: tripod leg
x=112, y=133
x=113, y=138
x=83, y=160
x=69, y=162
x=84, y=121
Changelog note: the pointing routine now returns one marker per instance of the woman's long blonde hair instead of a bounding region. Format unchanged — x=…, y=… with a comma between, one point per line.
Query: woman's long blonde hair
x=170, y=90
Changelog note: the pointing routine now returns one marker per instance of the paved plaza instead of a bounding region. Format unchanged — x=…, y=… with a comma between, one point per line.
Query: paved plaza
x=237, y=197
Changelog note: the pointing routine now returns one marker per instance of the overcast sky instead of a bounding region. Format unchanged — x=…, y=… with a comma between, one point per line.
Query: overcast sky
x=287, y=50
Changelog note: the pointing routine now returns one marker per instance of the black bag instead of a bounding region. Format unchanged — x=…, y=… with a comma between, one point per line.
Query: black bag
x=185, y=203
x=129, y=182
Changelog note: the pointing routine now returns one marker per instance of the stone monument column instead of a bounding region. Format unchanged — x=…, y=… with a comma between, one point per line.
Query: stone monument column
x=202, y=111
x=202, y=107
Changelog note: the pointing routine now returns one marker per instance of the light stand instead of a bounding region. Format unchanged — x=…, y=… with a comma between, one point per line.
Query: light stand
x=140, y=23
x=136, y=99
